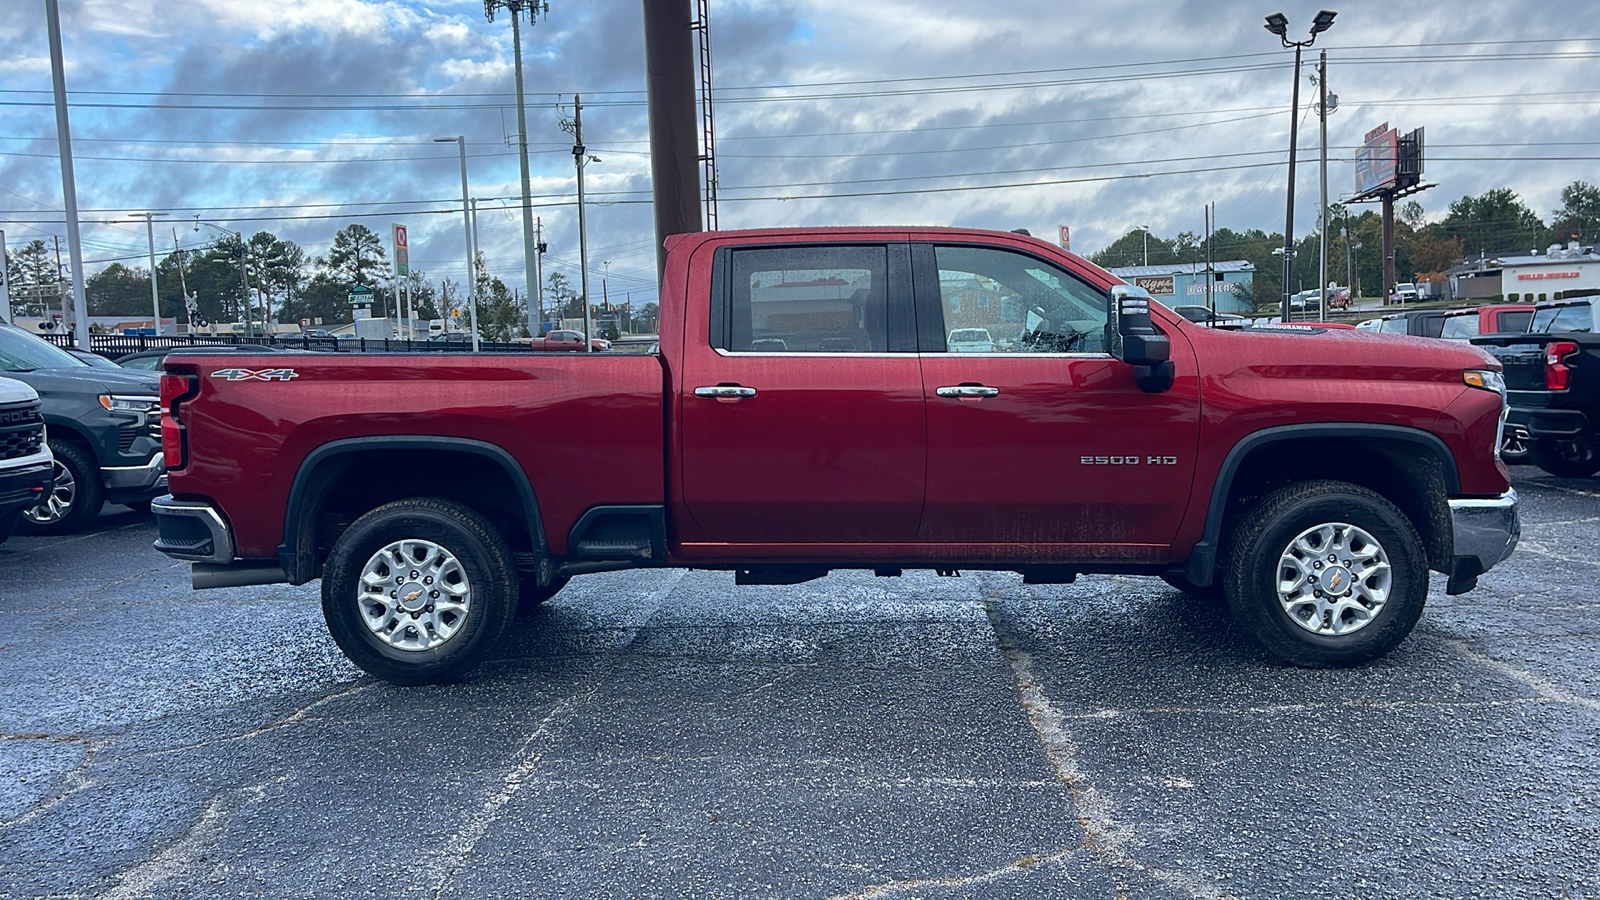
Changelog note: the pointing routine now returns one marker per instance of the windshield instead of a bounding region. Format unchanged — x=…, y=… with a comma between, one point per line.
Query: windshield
x=969, y=334
x=22, y=352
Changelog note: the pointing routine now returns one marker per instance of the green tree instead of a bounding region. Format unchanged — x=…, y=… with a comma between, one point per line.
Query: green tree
x=319, y=298
x=1579, y=216
x=500, y=316
x=118, y=290
x=36, y=284
x=277, y=271
x=1496, y=221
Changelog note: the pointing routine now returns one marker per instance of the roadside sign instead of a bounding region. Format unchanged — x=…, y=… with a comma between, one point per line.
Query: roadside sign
x=361, y=295
x=402, y=252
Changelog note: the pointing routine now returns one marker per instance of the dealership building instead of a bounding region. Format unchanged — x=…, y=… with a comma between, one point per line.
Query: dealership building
x=1184, y=284
x=1528, y=279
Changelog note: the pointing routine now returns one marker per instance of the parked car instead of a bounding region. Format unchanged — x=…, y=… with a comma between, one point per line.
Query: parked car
x=90, y=358
x=1130, y=441
x=1552, y=380
x=1415, y=322
x=1201, y=315
x=567, y=339
x=969, y=340
x=151, y=360
x=1405, y=292
x=26, y=466
x=1495, y=318
x=104, y=429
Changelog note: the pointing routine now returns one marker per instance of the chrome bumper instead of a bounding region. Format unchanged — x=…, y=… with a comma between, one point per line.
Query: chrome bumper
x=191, y=530
x=1485, y=532
x=136, y=478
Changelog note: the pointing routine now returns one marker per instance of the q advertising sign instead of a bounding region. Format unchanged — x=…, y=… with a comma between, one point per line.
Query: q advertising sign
x=1378, y=159
x=1155, y=285
x=402, y=255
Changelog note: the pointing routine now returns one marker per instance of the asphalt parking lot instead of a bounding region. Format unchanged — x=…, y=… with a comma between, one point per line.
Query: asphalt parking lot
x=666, y=734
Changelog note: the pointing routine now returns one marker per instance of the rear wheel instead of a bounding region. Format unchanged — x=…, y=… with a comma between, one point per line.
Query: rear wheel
x=74, y=503
x=1565, y=459
x=1326, y=573
x=419, y=591
x=1514, y=448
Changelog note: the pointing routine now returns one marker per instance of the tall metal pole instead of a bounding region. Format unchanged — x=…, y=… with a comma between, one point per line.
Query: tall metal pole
x=244, y=279
x=583, y=235
x=466, y=210
x=155, y=296
x=1288, y=218
x=472, y=314
x=1322, y=241
x=538, y=270
x=674, y=154
x=528, y=251
x=69, y=190
x=5, y=284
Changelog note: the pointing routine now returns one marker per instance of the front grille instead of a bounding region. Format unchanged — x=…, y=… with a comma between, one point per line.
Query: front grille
x=21, y=431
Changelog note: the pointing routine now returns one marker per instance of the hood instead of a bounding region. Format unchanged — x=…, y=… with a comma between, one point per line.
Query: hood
x=91, y=379
x=1328, y=350
x=14, y=391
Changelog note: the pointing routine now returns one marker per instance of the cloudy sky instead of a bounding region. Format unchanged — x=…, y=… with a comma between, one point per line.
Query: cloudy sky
x=301, y=116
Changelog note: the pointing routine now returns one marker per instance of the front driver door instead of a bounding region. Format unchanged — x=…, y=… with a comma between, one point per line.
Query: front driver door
x=1044, y=439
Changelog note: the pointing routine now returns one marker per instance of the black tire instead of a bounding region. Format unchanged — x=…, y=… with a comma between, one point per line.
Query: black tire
x=78, y=496
x=532, y=594
x=484, y=561
x=1565, y=459
x=1211, y=593
x=1265, y=535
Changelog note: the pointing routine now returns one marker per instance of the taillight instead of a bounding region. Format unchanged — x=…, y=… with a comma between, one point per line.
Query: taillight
x=174, y=388
x=1557, y=377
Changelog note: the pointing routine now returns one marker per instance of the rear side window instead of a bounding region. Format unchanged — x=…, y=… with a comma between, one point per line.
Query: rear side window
x=1460, y=328
x=1564, y=319
x=809, y=300
x=1393, y=326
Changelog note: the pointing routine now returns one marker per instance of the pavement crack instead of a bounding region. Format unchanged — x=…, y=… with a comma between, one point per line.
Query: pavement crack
x=1545, y=689
x=294, y=718
x=190, y=850
x=1109, y=839
x=1017, y=866
x=525, y=762
x=73, y=780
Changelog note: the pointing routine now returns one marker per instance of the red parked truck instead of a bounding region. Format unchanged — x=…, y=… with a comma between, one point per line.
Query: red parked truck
x=568, y=340
x=1310, y=476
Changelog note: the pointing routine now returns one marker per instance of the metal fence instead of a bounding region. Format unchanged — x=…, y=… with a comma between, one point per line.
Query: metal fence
x=114, y=346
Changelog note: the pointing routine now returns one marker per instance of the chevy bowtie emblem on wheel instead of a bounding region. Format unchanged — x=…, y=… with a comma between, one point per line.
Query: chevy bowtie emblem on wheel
x=256, y=374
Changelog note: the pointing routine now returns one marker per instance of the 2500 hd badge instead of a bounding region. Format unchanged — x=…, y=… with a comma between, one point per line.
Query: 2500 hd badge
x=1127, y=460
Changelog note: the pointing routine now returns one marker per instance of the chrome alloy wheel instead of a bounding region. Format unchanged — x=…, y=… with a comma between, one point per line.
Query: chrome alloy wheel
x=59, y=503
x=414, y=595
x=1334, y=579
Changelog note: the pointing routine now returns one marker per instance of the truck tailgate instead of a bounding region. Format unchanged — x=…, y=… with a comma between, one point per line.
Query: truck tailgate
x=1522, y=355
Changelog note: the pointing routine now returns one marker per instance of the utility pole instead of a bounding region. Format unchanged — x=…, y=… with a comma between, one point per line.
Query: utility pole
x=5, y=284
x=670, y=83
x=580, y=160
x=69, y=189
x=532, y=8
x=538, y=271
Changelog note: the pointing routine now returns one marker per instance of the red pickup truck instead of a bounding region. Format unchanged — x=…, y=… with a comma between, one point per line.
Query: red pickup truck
x=562, y=339
x=1310, y=476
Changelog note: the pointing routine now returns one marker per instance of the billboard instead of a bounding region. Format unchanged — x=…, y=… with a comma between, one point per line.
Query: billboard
x=1377, y=160
x=402, y=252
x=1066, y=238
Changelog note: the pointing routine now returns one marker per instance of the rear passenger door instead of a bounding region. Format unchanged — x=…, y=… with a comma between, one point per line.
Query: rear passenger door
x=801, y=412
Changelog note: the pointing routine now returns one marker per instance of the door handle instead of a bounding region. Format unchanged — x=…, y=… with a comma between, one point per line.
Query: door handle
x=968, y=391
x=725, y=392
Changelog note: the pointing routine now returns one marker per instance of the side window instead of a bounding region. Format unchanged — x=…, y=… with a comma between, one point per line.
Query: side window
x=1397, y=325
x=1001, y=301
x=809, y=300
x=1572, y=318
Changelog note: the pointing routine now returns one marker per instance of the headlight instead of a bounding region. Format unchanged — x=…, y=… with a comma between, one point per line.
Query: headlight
x=1485, y=380
x=130, y=403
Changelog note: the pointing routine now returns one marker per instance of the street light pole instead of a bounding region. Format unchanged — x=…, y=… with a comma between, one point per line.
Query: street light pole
x=1278, y=24
x=155, y=297
x=466, y=233
x=244, y=276
x=1146, y=230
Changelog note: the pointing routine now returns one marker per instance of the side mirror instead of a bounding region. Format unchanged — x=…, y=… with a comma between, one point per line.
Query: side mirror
x=1134, y=339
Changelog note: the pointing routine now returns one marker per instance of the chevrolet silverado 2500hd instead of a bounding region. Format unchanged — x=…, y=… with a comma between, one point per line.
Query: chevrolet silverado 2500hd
x=1311, y=476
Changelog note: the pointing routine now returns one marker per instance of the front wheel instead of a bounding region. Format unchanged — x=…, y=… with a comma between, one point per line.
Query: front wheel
x=1326, y=573
x=419, y=591
x=74, y=503
x=1514, y=447
x=1565, y=459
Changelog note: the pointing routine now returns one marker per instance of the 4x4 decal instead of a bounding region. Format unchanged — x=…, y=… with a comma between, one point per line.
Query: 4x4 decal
x=256, y=374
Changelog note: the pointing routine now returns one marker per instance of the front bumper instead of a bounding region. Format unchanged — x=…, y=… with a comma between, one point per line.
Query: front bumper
x=23, y=488
x=1484, y=533
x=136, y=482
